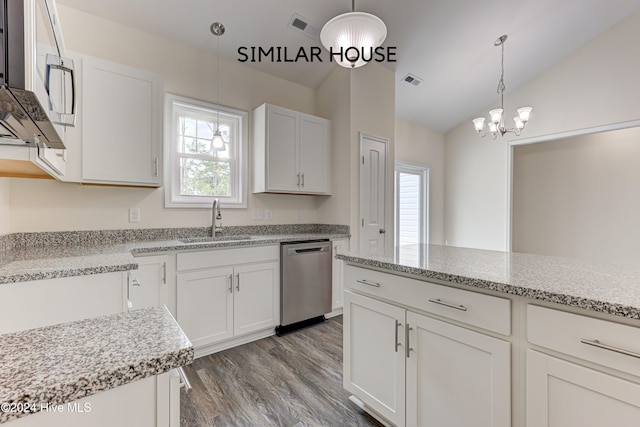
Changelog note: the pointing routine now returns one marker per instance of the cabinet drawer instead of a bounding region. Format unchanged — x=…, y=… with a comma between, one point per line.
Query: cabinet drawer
x=226, y=256
x=570, y=334
x=473, y=308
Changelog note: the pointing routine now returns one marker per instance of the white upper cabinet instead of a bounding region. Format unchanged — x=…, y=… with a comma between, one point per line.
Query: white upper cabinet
x=118, y=135
x=291, y=152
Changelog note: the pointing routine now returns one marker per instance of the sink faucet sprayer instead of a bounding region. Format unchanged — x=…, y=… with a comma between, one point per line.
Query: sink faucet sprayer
x=216, y=215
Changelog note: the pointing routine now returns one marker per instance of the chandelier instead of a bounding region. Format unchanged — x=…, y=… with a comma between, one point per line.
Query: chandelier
x=353, y=35
x=496, y=124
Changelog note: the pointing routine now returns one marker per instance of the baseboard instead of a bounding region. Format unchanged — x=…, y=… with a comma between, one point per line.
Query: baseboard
x=233, y=342
x=334, y=313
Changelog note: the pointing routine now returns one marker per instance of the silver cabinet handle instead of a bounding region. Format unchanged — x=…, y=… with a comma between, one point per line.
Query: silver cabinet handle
x=407, y=329
x=231, y=283
x=398, y=324
x=298, y=184
x=155, y=167
x=185, y=381
x=597, y=343
x=366, y=282
x=447, y=304
x=238, y=282
x=303, y=180
x=164, y=273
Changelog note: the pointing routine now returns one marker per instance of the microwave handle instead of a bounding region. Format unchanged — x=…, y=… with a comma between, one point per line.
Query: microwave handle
x=58, y=63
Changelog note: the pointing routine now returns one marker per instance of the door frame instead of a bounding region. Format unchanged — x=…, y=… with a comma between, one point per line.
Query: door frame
x=389, y=235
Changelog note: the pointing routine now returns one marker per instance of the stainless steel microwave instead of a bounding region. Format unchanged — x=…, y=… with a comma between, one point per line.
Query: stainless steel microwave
x=37, y=84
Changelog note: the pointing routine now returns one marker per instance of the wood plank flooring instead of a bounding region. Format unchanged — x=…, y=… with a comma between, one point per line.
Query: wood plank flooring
x=290, y=381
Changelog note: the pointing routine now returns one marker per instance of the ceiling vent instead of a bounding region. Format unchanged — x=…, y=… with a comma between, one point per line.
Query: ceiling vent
x=302, y=25
x=412, y=79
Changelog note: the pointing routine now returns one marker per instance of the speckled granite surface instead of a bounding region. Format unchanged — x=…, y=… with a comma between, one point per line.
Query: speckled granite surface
x=36, y=256
x=62, y=363
x=603, y=288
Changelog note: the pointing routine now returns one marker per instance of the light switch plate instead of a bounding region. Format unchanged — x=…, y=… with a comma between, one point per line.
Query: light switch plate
x=268, y=215
x=257, y=214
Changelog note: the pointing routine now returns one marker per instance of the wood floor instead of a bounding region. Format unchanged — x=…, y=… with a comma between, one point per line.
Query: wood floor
x=291, y=381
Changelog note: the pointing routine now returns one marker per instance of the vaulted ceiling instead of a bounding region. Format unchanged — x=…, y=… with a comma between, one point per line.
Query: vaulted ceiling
x=447, y=43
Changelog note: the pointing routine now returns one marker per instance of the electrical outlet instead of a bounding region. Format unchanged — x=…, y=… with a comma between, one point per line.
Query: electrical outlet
x=257, y=214
x=268, y=215
x=134, y=214
x=299, y=215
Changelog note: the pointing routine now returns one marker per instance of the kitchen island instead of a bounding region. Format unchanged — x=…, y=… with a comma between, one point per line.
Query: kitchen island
x=118, y=369
x=439, y=335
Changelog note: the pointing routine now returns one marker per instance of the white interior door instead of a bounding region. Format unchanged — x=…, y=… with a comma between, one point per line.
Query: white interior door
x=373, y=172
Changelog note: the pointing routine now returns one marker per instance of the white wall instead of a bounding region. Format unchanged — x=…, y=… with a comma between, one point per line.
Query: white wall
x=5, y=199
x=578, y=197
x=372, y=112
x=597, y=85
x=39, y=205
x=418, y=145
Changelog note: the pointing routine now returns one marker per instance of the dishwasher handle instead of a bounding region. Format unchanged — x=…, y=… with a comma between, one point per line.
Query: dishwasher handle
x=302, y=251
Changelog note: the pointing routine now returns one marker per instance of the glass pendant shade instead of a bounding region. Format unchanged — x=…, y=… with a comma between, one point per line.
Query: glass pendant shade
x=218, y=142
x=519, y=123
x=496, y=115
x=352, y=37
x=493, y=128
x=524, y=113
x=479, y=123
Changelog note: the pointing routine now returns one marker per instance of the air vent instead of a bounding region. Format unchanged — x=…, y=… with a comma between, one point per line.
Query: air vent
x=412, y=79
x=302, y=25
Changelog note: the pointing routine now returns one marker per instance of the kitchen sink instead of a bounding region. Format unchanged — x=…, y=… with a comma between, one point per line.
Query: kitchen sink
x=207, y=239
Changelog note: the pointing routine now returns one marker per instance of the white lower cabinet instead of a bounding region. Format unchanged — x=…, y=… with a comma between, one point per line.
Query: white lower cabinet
x=218, y=304
x=411, y=359
x=148, y=285
x=374, y=355
x=564, y=394
x=456, y=377
x=571, y=388
x=149, y=402
x=337, y=271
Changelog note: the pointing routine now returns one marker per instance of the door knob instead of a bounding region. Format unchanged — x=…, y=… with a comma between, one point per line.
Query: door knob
x=382, y=231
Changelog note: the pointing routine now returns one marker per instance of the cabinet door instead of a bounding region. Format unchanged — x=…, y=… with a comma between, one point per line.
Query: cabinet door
x=257, y=297
x=564, y=394
x=374, y=355
x=456, y=377
x=205, y=305
x=314, y=154
x=121, y=124
x=149, y=289
x=337, y=268
x=282, y=150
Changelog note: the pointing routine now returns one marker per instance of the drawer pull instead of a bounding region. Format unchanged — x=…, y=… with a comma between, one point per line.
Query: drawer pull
x=185, y=381
x=407, y=330
x=366, y=282
x=446, y=304
x=597, y=343
x=398, y=324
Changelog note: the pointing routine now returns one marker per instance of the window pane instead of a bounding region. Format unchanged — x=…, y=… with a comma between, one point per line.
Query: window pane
x=204, y=178
x=409, y=209
x=187, y=126
x=204, y=146
x=189, y=145
x=205, y=129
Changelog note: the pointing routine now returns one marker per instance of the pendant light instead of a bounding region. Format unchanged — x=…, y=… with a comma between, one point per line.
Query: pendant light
x=353, y=36
x=218, y=142
x=496, y=124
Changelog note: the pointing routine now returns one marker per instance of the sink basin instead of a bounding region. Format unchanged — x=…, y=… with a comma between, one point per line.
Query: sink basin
x=206, y=239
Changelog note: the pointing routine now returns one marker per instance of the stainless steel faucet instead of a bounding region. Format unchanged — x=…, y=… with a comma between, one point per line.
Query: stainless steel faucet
x=216, y=215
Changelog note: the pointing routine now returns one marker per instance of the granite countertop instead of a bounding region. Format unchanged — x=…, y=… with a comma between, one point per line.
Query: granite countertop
x=607, y=289
x=57, y=364
x=65, y=254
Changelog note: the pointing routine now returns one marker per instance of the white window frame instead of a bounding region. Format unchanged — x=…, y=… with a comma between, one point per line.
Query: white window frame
x=172, y=198
x=423, y=172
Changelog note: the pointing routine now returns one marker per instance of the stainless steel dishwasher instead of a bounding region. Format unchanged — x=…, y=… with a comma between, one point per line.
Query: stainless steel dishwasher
x=305, y=284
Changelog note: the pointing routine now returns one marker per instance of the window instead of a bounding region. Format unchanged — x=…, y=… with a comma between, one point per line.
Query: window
x=411, y=195
x=195, y=171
